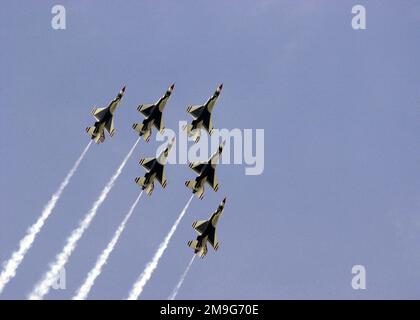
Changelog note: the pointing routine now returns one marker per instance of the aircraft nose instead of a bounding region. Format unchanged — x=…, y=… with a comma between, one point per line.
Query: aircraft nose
x=123, y=89
x=220, y=87
x=172, y=86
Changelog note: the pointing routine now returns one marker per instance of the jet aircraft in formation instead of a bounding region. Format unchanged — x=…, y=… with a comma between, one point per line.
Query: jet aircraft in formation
x=155, y=170
x=104, y=119
x=155, y=167
x=206, y=230
x=202, y=116
x=153, y=113
x=206, y=173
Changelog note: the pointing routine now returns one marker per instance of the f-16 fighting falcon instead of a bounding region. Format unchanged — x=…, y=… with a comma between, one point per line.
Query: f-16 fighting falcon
x=104, y=119
x=202, y=116
x=207, y=232
x=156, y=170
x=206, y=173
x=153, y=114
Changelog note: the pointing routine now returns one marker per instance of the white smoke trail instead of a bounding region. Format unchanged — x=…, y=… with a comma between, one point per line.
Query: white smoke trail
x=10, y=267
x=152, y=265
x=181, y=280
x=87, y=285
x=43, y=287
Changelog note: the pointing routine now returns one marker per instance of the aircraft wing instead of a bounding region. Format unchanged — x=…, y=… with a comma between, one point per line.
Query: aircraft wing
x=109, y=126
x=212, y=181
x=213, y=240
x=147, y=163
x=99, y=113
x=161, y=177
x=146, y=109
x=158, y=123
x=195, y=110
x=200, y=225
x=197, y=166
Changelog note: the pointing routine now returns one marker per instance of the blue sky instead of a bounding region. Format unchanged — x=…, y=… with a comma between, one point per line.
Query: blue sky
x=340, y=112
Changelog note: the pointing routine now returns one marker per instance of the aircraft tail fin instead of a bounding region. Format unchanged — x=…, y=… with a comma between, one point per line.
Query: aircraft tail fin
x=195, y=134
x=147, y=134
x=193, y=244
x=149, y=189
x=192, y=132
x=191, y=184
x=189, y=128
x=90, y=131
x=140, y=129
x=94, y=135
x=140, y=181
x=201, y=251
x=195, y=187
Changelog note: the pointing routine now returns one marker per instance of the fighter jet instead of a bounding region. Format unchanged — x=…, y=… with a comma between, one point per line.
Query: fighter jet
x=206, y=173
x=104, y=119
x=202, y=116
x=155, y=170
x=153, y=114
x=207, y=232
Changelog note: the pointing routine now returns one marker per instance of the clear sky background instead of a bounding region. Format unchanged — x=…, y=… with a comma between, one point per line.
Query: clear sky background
x=340, y=110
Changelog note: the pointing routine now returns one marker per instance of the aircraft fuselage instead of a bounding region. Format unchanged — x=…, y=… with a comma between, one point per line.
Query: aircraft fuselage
x=205, y=114
x=155, y=115
x=208, y=171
